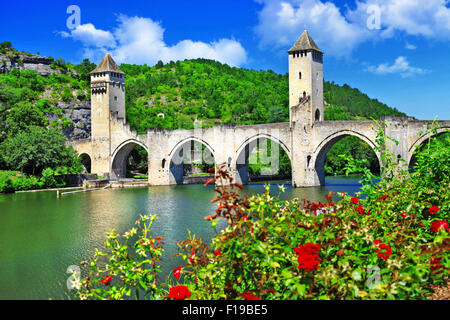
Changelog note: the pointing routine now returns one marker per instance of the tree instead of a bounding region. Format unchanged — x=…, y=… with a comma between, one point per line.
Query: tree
x=24, y=115
x=35, y=149
x=84, y=69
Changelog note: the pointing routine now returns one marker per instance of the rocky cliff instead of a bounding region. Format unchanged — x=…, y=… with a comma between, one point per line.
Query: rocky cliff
x=42, y=65
x=79, y=113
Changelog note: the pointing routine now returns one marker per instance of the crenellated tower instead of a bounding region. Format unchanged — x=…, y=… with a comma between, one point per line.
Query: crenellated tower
x=107, y=102
x=305, y=81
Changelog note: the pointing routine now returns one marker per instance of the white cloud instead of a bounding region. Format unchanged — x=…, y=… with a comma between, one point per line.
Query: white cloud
x=141, y=40
x=410, y=46
x=400, y=66
x=282, y=22
x=338, y=31
x=430, y=18
x=90, y=36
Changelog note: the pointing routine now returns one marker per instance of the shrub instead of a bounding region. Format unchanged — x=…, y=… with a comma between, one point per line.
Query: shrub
x=6, y=185
x=48, y=178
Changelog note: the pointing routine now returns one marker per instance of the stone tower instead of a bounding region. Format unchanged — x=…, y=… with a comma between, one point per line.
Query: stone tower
x=107, y=101
x=306, y=106
x=306, y=80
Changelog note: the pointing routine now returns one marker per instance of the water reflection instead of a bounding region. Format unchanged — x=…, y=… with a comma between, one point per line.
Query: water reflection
x=40, y=235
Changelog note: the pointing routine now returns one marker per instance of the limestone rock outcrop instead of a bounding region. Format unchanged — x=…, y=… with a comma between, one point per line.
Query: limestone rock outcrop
x=42, y=65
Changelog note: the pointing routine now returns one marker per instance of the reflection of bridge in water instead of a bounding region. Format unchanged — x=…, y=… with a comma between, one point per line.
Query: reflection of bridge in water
x=306, y=138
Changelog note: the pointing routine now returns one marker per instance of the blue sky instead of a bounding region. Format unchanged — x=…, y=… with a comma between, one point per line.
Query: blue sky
x=397, y=51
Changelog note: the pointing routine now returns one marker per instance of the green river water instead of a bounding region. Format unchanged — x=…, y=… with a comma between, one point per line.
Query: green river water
x=41, y=235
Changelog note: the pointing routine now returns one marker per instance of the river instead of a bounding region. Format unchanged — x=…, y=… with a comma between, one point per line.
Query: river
x=41, y=235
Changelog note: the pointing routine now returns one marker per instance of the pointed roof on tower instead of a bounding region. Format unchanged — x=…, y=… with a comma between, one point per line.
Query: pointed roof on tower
x=305, y=42
x=107, y=65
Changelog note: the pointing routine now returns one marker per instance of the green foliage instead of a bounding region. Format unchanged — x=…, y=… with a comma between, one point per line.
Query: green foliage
x=131, y=263
x=6, y=45
x=346, y=103
x=350, y=147
x=67, y=95
x=6, y=184
x=261, y=162
x=35, y=149
x=23, y=116
x=84, y=70
x=11, y=181
x=48, y=178
x=205, y=90
x=137, y=161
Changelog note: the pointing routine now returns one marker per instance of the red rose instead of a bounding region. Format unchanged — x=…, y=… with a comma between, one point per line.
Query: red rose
x=106, y=280
x=177, y=272
x=244, y=218
x=179, y=292
x=436, y=225
x=354, y=200
x=383, y=197
x=307, y=256
x=377, y=242
x=250, y=296
x=383, y=255
x=218, y=252
x=360, y=209
x=404, y=215
x=434, y=209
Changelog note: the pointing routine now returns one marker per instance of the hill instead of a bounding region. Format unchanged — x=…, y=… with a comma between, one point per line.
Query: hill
x=213, y=92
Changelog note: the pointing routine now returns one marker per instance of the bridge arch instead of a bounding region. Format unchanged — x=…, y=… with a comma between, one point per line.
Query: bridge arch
x=422, y=140
x=240, y=161
x=120, y=156
x=321, y=151
x=86, y=160
x=181, y=150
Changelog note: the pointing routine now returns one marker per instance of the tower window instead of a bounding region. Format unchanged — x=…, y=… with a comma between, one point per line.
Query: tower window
x=317, y=115
x=115, y=98
x=300, y=75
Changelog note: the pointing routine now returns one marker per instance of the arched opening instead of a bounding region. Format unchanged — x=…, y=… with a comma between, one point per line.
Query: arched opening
x=86, y=162
x=263, y=159
x=331, y=159
x=440, y=140
x=317, y=115
x=130, y=161
x=191, y=162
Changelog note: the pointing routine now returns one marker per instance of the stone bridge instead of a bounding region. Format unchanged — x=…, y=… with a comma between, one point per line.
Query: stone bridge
x=306, y=147
x=306, y=138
